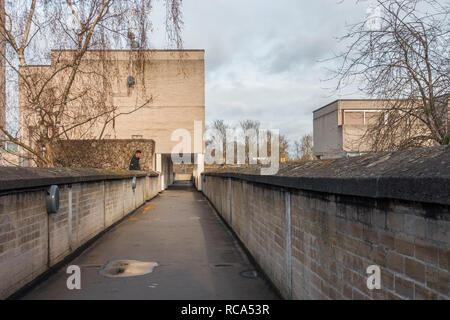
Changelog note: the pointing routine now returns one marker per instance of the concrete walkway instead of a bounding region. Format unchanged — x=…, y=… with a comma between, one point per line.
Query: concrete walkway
x=197, y=255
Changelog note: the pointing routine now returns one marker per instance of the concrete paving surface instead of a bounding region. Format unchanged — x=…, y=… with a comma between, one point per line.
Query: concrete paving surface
x=197, y=257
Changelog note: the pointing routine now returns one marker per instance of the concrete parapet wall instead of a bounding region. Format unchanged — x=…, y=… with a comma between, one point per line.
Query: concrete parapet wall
x=316, y=235
x=32, y=241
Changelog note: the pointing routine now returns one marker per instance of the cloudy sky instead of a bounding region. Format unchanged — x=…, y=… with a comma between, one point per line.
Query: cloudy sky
x=263, y=57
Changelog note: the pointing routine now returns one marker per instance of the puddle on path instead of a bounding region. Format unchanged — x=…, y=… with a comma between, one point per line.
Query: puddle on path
x=127, y=268
x=251, y=274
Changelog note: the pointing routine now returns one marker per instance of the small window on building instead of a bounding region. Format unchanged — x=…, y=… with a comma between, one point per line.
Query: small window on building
x=136, y=137
x=11, y=147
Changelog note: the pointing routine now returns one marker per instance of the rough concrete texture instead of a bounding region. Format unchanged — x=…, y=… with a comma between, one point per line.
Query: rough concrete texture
x=15, y=178
x=414, y=175
x=197, y=255
x=316, y=245
x=421, y=162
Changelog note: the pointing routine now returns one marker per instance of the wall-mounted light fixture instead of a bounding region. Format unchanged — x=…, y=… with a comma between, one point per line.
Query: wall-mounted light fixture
x=133, y=183
x=52, y=199
x=131, y=81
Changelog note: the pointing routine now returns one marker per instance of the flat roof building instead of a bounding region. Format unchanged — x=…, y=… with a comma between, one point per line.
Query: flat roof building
x=340, y=127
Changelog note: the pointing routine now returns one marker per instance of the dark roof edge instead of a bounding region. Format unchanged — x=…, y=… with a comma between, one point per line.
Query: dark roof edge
x=327, y=105
x=367, y=99
x=416, y=189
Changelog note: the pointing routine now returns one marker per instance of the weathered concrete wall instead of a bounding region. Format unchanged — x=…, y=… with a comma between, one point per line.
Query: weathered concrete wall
x=32, y=241
x=153, y=187
x=326, y=134
x=165, y=168
x=318, y=245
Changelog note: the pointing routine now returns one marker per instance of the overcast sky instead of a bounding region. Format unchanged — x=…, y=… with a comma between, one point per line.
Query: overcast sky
x=263, y=56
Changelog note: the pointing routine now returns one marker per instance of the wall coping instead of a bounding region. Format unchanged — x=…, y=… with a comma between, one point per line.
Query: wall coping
x=17, y=178
x=420, y=175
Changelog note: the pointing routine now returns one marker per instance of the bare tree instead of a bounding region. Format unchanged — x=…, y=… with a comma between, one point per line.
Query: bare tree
x=249, y=124
x=69, y=98
x=284, y=148
x=303, y=148
x=217, y=137
x=220, y=128
x=249, y=127
x=401, y=56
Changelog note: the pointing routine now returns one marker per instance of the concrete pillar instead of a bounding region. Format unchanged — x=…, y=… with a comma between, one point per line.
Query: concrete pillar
x=199, y=167
x=159, y=168
x=171, y=175
x=158, y=162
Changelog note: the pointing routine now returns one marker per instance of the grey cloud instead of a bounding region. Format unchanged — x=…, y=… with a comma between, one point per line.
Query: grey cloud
x=296, y=54
x=262, y=57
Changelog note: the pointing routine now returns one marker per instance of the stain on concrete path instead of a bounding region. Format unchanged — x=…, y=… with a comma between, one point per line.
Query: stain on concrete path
x=127, y=268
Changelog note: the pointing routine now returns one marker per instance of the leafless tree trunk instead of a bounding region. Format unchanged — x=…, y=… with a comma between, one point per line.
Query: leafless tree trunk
x=401, y=56
x=220, y=128
x=304, y=148
x=284, y=149
x=254, y=135
x=247, y=127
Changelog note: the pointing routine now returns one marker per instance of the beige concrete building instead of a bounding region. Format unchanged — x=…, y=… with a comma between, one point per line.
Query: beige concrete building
x=339, y=127
x=169, y=84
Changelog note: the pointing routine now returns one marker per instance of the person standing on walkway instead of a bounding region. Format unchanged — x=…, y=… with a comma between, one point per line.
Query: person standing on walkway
x=134, y=163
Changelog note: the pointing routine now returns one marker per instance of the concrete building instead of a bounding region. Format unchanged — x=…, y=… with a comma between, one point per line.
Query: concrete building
x=173, y=81
x=340, y=126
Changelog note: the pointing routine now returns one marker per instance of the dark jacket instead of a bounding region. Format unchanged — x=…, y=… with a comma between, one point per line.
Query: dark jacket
x=134, y=163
